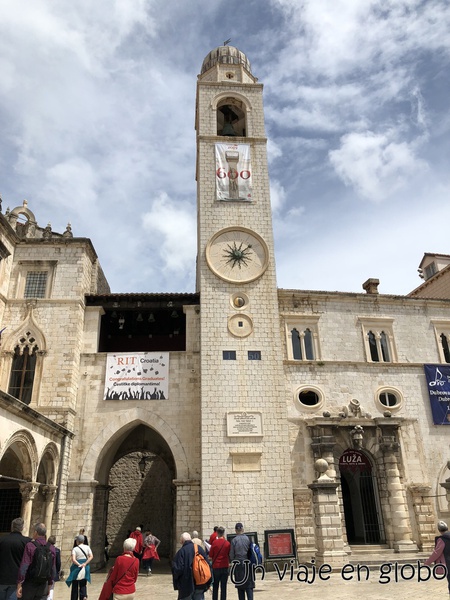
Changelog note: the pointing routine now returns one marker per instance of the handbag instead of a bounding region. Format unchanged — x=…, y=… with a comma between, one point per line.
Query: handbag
x=81, y=574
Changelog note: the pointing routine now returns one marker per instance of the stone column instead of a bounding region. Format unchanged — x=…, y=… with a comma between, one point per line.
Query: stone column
x=327, y=516
x=305, y=531
x=28, y=491
x=49, y=493
x=401, y=525
x=425, y=515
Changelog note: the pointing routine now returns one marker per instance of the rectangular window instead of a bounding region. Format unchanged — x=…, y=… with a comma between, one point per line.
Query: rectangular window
x=36, y=284
x=254, y=355
x=35, y=278
x=229, y=354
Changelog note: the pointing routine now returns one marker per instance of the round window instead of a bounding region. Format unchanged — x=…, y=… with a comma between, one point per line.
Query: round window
x=389, y=398
x=309, y=397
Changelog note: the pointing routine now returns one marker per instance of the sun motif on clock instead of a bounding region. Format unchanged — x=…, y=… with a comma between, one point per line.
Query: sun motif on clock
x=237, y=254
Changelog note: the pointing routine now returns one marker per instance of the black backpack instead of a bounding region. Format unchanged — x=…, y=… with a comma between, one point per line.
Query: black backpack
x=41, y=568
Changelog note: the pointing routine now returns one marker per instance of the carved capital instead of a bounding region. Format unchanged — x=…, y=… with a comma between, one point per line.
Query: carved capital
x=28, y=490
x=49, y=492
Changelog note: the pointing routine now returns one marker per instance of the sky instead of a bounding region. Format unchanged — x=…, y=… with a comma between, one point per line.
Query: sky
x=97, y=107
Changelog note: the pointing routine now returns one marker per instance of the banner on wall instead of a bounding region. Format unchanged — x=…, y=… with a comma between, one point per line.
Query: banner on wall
x=233, y=172
x=438, y=385
x=137, y=376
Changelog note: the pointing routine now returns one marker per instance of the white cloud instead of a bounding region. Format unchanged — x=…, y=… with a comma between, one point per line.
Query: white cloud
x=376, y=165
x=172, y=230
x=277, y=195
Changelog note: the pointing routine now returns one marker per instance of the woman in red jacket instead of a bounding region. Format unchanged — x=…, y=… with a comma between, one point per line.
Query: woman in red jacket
x=219, y=559
x=122, y=578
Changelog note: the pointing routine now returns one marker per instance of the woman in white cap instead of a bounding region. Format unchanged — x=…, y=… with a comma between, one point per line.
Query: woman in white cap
x=441, y=552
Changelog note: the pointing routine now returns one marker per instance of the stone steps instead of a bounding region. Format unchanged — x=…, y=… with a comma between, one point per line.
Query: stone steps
x=376, y=555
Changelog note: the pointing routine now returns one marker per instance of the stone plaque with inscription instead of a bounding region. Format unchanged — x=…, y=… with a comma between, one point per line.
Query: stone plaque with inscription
x=244, y=424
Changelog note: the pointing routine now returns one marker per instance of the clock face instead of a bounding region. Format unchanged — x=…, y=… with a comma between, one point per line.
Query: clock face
x=238, y=255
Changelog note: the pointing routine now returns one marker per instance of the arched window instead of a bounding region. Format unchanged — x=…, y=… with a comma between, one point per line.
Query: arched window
x=231, y=117
x=373, y=347
x=302, y=344
x=23, y=369
x=379, y=346
x=445, y=347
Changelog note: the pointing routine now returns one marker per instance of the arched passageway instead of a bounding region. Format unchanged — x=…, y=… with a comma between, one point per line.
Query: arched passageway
x=138, y=489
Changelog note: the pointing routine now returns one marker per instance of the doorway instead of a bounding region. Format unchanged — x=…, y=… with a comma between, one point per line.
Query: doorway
x=362, y=512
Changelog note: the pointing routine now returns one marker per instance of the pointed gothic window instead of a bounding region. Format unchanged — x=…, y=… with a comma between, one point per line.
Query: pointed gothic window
x=445, y=347
x=22, y=373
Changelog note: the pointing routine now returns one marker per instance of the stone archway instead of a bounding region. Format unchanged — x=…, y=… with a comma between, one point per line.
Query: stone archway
x=18, y=467
x=141, y=490
x=362, y=512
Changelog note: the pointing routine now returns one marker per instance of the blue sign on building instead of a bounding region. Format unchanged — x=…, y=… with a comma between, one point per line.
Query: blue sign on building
x=438, y=384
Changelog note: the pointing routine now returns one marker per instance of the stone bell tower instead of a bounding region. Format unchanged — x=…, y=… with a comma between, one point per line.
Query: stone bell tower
x=246, y=473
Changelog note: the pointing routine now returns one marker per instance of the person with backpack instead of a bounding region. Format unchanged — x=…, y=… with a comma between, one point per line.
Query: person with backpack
x=242, y=573
x=218, y=555
x=80, y=571
x=36, y=571
x=191, y=572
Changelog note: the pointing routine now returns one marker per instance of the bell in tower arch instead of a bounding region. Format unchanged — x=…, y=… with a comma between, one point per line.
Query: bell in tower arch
x=229, y=117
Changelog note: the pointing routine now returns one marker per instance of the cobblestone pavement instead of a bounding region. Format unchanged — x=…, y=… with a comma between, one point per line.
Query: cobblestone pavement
x=159, y=587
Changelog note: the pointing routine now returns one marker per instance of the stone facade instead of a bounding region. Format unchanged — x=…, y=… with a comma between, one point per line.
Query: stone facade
x=287, y=409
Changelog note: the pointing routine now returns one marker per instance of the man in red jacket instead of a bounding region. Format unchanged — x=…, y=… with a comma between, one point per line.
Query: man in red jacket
x=219, y=557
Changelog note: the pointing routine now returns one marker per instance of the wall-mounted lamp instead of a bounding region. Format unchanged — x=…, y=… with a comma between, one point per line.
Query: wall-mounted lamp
x=142, y=463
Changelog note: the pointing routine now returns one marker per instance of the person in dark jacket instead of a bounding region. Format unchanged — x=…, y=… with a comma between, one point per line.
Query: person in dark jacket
x=52, y=540
x=441, y=553
x=242, y=573
x=12, y=547
x=27, y=587
x=183, y=580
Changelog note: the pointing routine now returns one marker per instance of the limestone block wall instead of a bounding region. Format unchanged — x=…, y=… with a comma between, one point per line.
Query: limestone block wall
x=100, y=425
x=342, y=372
x=135, y=500
x=241, y=384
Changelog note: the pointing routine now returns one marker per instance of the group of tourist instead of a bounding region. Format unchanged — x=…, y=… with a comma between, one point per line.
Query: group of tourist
x=219, y=552
x=29, y=567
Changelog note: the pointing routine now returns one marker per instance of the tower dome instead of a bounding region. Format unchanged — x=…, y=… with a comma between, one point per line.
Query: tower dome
x=227, y=55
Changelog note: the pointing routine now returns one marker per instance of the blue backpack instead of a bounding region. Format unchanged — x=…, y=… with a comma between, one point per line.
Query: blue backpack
x=254, y=554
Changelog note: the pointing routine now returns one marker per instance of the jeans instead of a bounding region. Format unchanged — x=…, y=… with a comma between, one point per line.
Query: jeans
x=8, y=592
x=196, y=595
x=220, y=578
x=241, y=594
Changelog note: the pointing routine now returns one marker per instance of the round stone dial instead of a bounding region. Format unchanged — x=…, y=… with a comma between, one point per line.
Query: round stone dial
x=237, y=254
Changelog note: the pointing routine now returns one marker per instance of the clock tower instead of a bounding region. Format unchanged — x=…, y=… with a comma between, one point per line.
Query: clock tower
x=246, y=467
